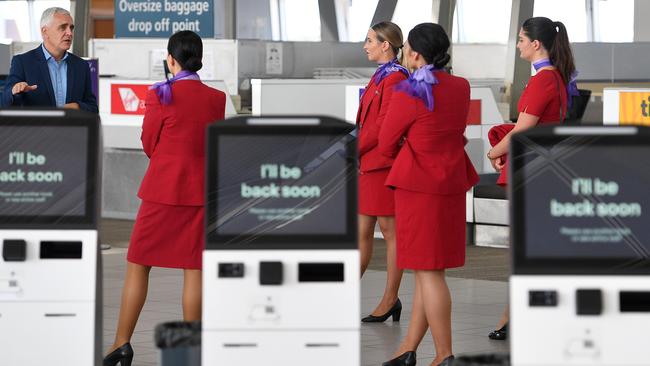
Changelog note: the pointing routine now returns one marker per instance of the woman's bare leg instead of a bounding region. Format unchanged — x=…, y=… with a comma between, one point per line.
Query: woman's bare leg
x=192, y=290
x=366, y=238
x=417, y=325
x=504, y=317
x=437, y=306
x=134, y=294
x=393, y=273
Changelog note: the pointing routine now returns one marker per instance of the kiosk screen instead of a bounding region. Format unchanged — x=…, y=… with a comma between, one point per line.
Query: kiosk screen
x=282, y=188
x=44, y=173
x=581, y=201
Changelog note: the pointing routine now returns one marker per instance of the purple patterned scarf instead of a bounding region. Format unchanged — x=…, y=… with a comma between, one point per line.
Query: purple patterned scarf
x=419, y=84
x=387, y=69
x=572, y=86
x=164, y=88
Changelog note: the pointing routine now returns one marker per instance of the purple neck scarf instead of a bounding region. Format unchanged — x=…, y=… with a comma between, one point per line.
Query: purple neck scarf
x=164, y=88
x=387, y=69
x=419, y=84
x=572, y=86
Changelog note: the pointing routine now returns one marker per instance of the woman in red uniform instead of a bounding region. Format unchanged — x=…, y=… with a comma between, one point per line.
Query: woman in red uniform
x=431, y=174
x=168, y=230
x=376, y=202
x=545, y=99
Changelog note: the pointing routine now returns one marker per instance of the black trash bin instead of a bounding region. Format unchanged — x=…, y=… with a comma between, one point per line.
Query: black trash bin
x=179, y=343
x=483, y=360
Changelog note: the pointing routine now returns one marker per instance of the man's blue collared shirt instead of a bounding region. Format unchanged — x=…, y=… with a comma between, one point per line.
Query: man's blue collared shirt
x=58, y=75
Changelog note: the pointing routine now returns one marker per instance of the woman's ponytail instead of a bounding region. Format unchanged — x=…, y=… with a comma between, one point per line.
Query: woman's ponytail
x=560, y=53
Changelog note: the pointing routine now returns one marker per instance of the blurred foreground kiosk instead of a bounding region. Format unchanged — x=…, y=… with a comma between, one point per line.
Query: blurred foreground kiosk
x=580, y=287
x=50, y=270
x=281, y=265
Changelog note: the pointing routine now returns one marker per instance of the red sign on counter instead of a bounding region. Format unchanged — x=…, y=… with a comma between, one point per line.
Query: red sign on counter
x=128, y=98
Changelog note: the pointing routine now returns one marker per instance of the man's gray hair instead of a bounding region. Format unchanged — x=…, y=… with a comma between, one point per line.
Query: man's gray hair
x=48, y=14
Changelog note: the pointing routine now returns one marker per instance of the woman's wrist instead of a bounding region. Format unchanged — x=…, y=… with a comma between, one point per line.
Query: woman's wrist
x=489, y=155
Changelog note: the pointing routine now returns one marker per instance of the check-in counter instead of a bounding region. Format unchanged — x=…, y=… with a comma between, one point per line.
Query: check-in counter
x=303, y=96
x=121, y=108
x=340, y=98
x=626, y=106
x=483, y=114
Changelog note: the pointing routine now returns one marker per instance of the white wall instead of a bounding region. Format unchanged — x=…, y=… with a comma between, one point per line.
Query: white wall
x=479, y=61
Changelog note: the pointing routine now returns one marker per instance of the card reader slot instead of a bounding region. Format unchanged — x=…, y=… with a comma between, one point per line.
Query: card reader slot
x=634, y=301
x=321, y=345
x=60, y=315
x=240, y=345
x=60, y=249
x=320, y=272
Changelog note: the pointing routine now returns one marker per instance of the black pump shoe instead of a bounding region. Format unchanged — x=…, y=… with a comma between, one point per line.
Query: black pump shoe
x=499, y=334
x=395, y=312
x=447, y=361
x=405, y=359
x=122, y=355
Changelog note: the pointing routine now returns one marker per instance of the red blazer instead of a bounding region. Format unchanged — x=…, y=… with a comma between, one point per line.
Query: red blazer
x=372, y=110
x=432, y=156
x=173, y=137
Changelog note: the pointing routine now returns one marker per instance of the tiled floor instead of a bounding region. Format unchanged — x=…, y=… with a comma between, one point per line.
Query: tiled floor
x=477, y=305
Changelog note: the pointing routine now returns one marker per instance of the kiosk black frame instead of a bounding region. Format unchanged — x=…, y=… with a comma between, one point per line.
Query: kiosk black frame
x=542, y=137
x=238, y=127
x=49, y=118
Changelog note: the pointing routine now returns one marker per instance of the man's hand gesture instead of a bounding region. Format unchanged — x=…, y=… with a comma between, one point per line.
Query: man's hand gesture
x=22, y=87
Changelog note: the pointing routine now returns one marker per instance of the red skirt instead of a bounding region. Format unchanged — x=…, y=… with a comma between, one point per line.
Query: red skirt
x=430, y=230
x=167, y=236
x=375, y=199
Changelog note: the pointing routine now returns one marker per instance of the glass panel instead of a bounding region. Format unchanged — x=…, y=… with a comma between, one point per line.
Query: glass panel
x=480, y=21
x=409, y=13
x=573, y=13
x=39, y=7
x=300, y=20
x=14, y=21
x=359, y=16
x=614, y=20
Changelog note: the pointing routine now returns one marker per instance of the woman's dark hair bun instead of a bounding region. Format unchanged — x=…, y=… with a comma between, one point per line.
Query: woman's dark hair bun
x=193, y=64
x=441, y=60
x=186, y=47
x=431, y=41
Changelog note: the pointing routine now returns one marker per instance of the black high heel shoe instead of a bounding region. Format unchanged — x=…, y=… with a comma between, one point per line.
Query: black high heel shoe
x=122, y=355
x=395, y=312
x=499, y=334
x=405, y=359
x=447, y=361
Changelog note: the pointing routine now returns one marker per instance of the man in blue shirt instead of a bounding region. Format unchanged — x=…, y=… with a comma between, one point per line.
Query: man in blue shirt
x=49, y=75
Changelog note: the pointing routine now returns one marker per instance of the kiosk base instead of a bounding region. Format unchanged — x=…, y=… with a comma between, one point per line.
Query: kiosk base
x=49, y=307
x=580, y=320
x=293, y=307
x=315, y=348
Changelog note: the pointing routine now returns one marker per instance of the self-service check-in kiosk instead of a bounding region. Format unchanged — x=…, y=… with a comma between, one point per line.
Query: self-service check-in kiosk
x=580, y=289
x=50, y=284
x=281, y=265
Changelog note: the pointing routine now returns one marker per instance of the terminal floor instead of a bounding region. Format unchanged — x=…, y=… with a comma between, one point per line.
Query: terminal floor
x=477, y=305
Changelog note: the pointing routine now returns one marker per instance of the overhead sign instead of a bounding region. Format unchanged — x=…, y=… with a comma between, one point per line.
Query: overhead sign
x=634, y=108
x=162, y=18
